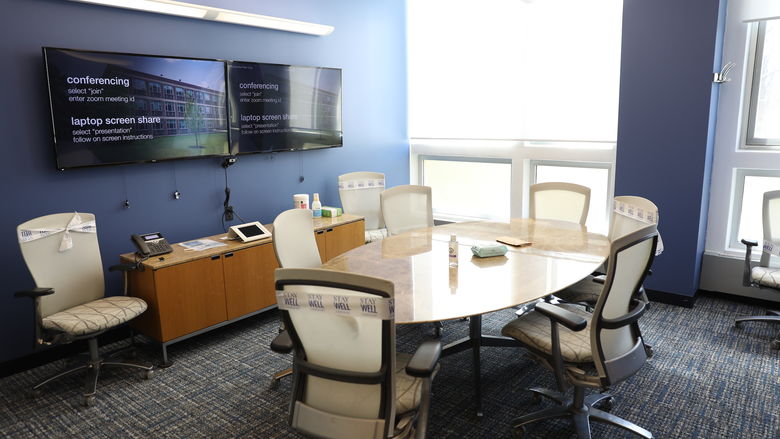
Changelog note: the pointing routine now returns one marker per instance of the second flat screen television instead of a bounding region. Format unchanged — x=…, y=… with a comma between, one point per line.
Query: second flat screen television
x=281, y=108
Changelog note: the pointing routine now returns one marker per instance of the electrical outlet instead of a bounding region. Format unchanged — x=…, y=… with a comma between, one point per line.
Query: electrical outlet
x=229, y=213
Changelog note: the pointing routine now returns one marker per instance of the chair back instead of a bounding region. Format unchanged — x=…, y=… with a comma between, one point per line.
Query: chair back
x=406, y=207
x=359, y=193
x=294, y=242
x=770, y=214
x=74, y=270
x=625, y=216
x=343, y=334
x=618, y=350
x=559, y=201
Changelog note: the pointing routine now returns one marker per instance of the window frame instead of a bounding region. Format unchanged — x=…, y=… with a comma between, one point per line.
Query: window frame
x=609, y=167
x=753, y=73
x=735, y=219
x=444, y=216
x=519, y=153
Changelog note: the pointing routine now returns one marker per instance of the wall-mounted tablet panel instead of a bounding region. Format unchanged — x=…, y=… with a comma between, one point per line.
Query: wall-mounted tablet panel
x=277, y=107
x=115, y=108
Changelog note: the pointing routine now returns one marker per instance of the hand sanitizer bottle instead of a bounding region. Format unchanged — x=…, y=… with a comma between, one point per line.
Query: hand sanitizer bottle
x=453, y=251
x=316, y=206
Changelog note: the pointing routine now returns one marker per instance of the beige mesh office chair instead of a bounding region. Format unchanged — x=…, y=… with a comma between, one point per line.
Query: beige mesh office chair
x=359, y=193
x=595, y=350
x=559, y=201
x=764, y=274
x=631, y=213
x=62, y=254
x=406, y=207
x=348, y=380
x=295, y=247
x=294, y=242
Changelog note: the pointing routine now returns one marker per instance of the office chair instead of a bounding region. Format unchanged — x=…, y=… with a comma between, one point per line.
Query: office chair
x=630, y=213
x=295, y=247
x=559, y=201
x=610, y=351
x=62, y=254
x=763, y=275
x=406, y=207
x=359, y=193
x=348, y=380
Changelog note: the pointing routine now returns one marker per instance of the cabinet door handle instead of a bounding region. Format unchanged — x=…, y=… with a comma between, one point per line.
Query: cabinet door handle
x=320, y=232
x=229, y=255
x=330, y=230
x=215, y=257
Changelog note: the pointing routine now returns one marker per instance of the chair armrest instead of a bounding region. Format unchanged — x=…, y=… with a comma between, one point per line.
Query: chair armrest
x=282, y=343
x=627, y=319
x=746, y=279
x=600, y=279
x=34, y=293
x=123, y=267
x=562, y=316
x=424, y=360
x=749, y=243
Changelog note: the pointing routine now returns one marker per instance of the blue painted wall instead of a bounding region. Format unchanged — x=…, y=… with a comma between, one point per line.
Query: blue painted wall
x=368, y=44
x=666, y=125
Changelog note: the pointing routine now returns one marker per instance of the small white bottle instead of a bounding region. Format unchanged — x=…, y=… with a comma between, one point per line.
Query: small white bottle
x=453, y=251
x=316, y=206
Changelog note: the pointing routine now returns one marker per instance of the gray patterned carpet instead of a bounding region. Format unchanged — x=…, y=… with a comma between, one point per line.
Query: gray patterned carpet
x=707, y=380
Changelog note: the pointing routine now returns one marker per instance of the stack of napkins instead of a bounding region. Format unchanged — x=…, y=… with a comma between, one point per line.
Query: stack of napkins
x=489, y=250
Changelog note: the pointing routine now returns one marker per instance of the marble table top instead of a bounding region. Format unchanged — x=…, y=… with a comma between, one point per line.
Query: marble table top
x=428, y=289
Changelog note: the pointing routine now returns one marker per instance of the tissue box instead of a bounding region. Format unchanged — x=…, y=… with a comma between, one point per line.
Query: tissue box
x=331, y=211
x=487, y=251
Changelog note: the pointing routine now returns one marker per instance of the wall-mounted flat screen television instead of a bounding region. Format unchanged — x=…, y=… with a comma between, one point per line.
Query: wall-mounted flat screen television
x=115, y=108
x=277, y=107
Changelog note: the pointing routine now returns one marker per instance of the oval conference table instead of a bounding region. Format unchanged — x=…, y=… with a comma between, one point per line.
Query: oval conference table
x=427, y=289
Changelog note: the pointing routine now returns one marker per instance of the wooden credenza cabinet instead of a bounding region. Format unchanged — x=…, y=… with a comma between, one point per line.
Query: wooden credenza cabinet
x=192, y=292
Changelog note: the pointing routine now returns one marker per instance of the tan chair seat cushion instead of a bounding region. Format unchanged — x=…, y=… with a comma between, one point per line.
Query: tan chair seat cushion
x=408, y=389
x=375, y=235
x=533, y=330
x=583, y=291
x=768, y=277
x=96, y=315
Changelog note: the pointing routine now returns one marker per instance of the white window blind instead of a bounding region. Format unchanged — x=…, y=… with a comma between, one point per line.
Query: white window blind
x=514, y=69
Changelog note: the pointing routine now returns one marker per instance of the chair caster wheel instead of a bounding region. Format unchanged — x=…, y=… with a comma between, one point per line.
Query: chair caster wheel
x=775, y=344
x=536, y=398
x=34, y=393
x=518, y=432
x=88, y=401
x=274, y=384
x=649, y=351
x=607, y=404
x=147, y=374
x=737, y=324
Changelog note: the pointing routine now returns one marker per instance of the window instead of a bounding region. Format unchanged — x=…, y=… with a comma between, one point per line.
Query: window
x=747, y=138
x=504, y=84
x=154, y=89
x=750, y=186
x=468, y=188
x=509, y=69
x=596, y=176
x=764, y=112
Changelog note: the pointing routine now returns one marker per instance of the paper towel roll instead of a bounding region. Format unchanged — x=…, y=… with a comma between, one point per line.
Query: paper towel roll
x=301, y=201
